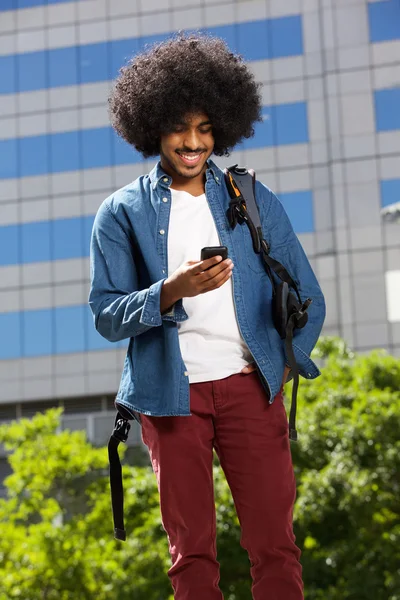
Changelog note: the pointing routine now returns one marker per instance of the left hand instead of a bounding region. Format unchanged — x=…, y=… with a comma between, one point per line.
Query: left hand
x=252, y=367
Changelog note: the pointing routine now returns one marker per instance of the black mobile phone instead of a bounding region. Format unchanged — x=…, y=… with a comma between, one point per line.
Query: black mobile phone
x=211, y=251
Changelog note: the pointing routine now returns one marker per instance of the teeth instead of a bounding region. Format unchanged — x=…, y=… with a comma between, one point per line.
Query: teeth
x=190, y=157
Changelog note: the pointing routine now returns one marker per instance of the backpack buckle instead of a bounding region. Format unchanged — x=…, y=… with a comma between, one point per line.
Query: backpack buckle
x=121, y=429
x=236, y=212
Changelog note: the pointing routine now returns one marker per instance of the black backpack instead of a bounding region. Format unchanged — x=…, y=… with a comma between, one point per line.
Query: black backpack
x=288, y=313
x=288, y=309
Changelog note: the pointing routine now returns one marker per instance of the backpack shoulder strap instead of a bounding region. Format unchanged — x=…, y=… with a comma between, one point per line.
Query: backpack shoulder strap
x=243, y=208
x=245, y=180
x=241, y=186
x=288, y=314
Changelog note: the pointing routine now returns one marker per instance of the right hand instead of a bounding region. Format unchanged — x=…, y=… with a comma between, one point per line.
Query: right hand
x=196, y=277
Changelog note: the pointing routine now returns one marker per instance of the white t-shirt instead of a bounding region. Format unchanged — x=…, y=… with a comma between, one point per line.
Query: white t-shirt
x=210, y=341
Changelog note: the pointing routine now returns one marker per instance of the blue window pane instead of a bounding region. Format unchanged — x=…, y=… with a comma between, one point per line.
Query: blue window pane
x=299, y=207
x=384, y=21
x=10, y=338
x=9, y=159
x=121, y=52
x=390, y=191
x=253, y=40
x=35, y=242
x=70, y=329
x=227, y=32
x=94, y=62
x=34, y=155
x=87, y=233
x=32, y=74
x=95, y=341
x=387, y=111
x=291, y=123
x=124, y=153
x=64, y=151
x=96, y=148
x=8, y=5
x=63, y=66
x=263, y=135
x=286, y=36
x=147, y=41
x=8, y=74
x=30, y=3
x=67, y=238
x=268, y=38
x=9, y=242
x=37, y=331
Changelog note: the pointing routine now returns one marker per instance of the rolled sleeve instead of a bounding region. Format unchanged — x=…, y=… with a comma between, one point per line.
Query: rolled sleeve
x=151, y=315
x=177, y=313
x=121, y=310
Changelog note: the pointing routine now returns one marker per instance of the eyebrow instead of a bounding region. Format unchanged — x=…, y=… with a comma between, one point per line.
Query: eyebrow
x=199, y=125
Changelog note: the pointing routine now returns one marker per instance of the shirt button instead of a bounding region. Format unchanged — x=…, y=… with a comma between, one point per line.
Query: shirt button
x=165, y=179
x=186, y=374
x=217, y=178
x=165, y=199
x=162, y=231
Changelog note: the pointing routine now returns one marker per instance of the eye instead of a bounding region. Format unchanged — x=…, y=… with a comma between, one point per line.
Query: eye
x=177, y=129
x=207, y=130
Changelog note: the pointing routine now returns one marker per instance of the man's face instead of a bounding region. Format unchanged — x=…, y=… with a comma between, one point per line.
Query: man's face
x=185, y=150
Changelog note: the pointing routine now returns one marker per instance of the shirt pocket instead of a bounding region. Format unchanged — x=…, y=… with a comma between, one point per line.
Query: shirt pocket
x=254, y=260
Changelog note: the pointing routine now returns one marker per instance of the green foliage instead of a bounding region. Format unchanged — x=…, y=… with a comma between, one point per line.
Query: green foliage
x=348, y=470
x=56, y=523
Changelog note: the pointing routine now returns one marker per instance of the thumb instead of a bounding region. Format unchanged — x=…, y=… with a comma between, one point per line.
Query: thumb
x=249, y=368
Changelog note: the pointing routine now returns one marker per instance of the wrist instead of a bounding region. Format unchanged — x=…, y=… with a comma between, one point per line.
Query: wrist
x=168, y=295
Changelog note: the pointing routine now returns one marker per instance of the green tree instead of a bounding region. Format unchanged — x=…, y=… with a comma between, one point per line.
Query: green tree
x=56, y=529
x=348, y=468
x=56, y=525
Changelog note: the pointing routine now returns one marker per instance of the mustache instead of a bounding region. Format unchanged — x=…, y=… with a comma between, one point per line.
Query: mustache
x=188, y=151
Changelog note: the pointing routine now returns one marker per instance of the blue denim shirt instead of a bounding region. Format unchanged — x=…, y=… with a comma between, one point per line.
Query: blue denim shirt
x=129, y=263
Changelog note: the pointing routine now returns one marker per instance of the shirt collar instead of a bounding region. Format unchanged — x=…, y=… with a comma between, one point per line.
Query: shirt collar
x=159, y=176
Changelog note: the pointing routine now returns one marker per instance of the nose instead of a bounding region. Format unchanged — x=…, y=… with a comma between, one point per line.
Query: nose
x=192, y=140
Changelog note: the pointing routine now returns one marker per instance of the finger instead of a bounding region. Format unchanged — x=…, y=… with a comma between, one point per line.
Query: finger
x=206, y=264
x=210, y=271
x=217, y=281
x=215, y=275
x=210, y=274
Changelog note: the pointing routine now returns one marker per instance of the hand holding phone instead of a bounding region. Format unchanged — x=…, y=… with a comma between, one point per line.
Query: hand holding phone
x=197, y=277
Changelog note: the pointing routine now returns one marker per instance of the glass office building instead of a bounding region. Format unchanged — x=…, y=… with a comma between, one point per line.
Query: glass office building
x=329, y=145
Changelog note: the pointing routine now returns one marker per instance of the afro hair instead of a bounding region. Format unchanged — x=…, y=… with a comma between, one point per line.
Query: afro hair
x=183, y=75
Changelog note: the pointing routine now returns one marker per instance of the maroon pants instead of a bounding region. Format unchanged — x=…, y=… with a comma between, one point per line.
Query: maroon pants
x=250, y=437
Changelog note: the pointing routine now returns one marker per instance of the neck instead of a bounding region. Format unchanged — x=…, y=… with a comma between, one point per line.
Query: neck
x=194, y=186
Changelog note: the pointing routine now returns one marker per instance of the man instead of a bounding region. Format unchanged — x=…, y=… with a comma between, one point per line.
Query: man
x=205, y=367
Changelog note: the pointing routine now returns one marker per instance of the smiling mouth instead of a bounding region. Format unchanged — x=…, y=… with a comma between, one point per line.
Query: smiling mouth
x=190, y=159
